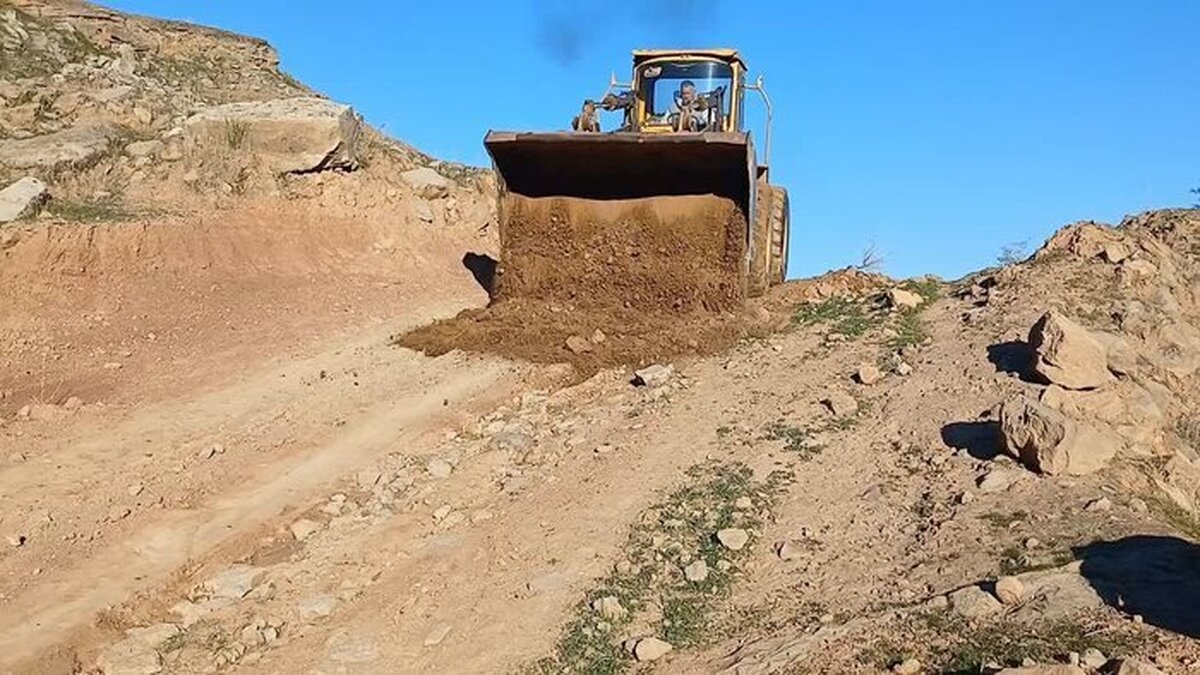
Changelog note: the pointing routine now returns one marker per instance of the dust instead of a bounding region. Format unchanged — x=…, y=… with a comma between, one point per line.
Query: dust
x=634, y=281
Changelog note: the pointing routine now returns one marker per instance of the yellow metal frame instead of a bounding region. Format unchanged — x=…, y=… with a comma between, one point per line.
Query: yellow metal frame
x=729, y=57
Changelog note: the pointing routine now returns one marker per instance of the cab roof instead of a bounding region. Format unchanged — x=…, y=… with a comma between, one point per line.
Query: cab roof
x=729, y=55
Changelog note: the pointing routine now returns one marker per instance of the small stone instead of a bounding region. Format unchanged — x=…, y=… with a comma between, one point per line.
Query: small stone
x=1032, y=543
x=608, y=607
x=578, y=345
x=441, y=512
x=304, y=528
x=996, y=480
x=868, y=374
x=16, y=540
x=134, y=490
x=651, y=649
x=743, y=503
x=938, y=602
x=733, y=538
x=368, y=478
x=233, y=583
x=1138, y=505
x=786, y=551
x=316, y=607
x=437, y=635
x=598, y=337
x=604, y=449
x=1093, y=658
x=908, y=667
x=211, y=451
x=973, y=602
x=966, y=498
x=840, y=403
x=1100, y=505
x=1010, y=590
x=696, y=572
x=903, y=369
x=73, y=403
x=724, y=565
x=1132, y=667
x=439, y=468
x=653, y=376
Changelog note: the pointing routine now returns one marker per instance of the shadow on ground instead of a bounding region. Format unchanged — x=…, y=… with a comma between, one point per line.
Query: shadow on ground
x=982, y=439
x=1015, y=357
x=483, y=269
x=1153, y=576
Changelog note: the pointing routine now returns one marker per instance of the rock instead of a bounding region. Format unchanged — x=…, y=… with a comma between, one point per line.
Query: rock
x=840, y=403
x=973, y=602
x=439, y=468
x=233, y=583
x=304, y=528
x=1127, y=408
x=902, y=299
x=1045, y=440
x=74, y=146
x=23, y=198
x=733, y=538
x=578, y=345
x=696, y=572
x=598, y=337
x=908, y=667
x=149, y=148
x=1115, y=252
x=868, y=374
x=73, y=403
x=786, y=551
x=316, y=607
x=438, y=635
x=743, y=503
x=653, y=376
x=651, y=649
x=173, y=152
x=129, y=657
x=1093, y=658
x=903, y=369
x=1010, y=590
x=996, y=480
x=427, y=182
x=423, y=211
x=290, y=135
x=368, y=478
x=1101, y=505
x=346, y=647
x=608, y=607
x=1132, y=667
x=1067, y=354
x=1138, y=505
x=1043, y=670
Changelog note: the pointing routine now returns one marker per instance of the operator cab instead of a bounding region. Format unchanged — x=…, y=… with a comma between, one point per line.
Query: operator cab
x=697, y=91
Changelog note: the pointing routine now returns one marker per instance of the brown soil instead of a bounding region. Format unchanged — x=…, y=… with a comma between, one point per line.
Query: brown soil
x=656, y=277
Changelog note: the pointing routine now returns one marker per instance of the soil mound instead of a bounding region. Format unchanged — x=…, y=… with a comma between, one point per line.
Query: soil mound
x=624, y=282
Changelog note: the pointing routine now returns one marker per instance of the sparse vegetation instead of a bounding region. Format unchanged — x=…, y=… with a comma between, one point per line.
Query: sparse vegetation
x=1014, y=560
x=797, y=439
x=1013, y=253
x=236, y=132
x=1005, y=520
x=674, y=533
x=104, y=210
x=910, y=330
x=849, y=317
x=1179, y=518
x=872, y=260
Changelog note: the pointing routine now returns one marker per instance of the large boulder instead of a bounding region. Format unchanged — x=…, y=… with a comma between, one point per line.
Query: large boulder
x=1047, y=441
x=291, y=135
x=427, y=183
x=1127, y=407
x=74, y=146
x=1067, y=354
x=22, y=198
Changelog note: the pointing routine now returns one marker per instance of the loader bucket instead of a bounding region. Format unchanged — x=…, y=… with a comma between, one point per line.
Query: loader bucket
x=653, y=221
x=624, y=165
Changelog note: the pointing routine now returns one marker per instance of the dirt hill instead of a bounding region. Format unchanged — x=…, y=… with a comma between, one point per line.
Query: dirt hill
x=214, y=457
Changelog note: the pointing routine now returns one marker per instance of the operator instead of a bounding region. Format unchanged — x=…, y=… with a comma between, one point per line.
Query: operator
x=688, y=105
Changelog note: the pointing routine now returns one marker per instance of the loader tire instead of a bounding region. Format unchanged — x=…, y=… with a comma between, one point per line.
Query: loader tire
x=780, y=229
x=768, y=240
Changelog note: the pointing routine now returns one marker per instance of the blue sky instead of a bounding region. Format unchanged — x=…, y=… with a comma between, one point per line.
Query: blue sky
x=937, y=130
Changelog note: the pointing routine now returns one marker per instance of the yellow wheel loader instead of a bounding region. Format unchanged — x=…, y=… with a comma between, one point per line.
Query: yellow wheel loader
x=626, y=209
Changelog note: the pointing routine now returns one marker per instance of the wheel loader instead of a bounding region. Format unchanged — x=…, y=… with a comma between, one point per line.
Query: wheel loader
x=680, y=141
